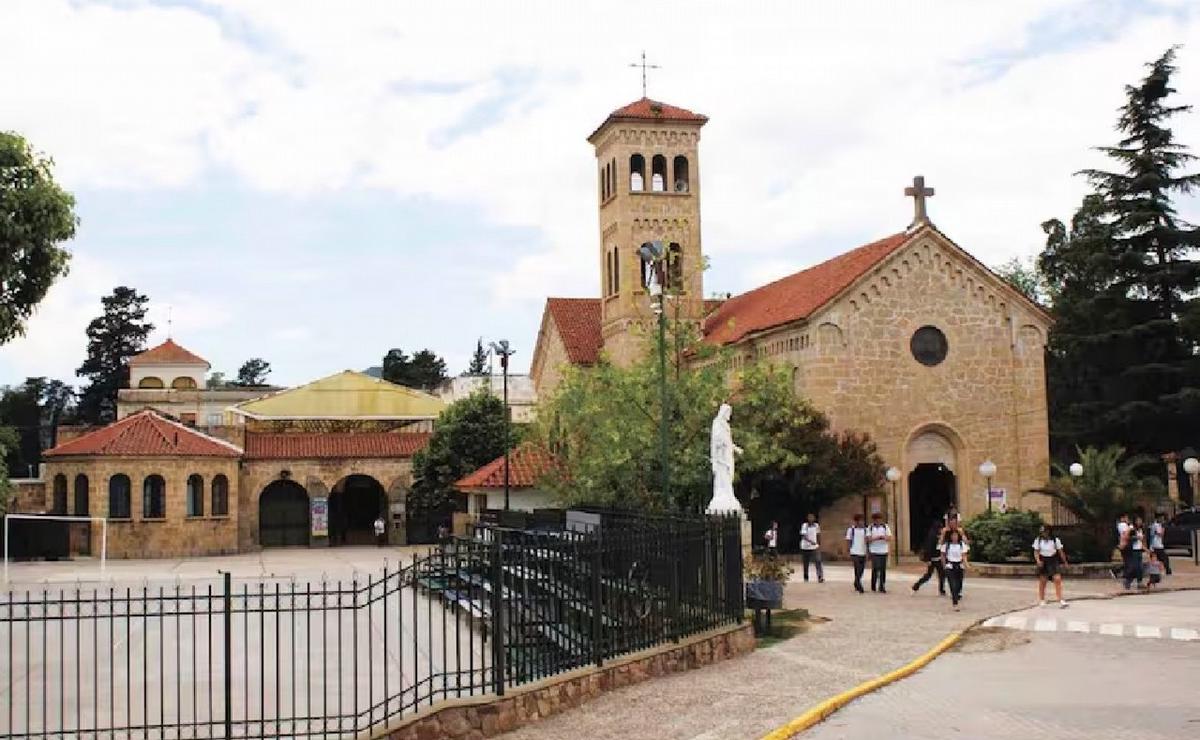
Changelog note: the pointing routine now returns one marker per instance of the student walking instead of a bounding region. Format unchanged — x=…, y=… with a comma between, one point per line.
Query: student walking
x=1122, y=547
x=1157, y=530
x=1135, y=545
x=810, y=546
x=1154, y=570
x=380, y=531
x=856, y=535
x=772, y=538
x=954, y=561
x=878, y=537
x=931, y=552
x=1049, y=554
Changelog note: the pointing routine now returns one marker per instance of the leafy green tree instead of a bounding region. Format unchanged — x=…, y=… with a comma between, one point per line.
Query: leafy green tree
x=216, y=380
x=1026, y=278
x=36, y=216
x=8, y=440
x=424, y=370
x=33, y=411
x=478, y=364
x=253, y=372
x=1125, y=351
x=1110, y=486
x=116, y=335
x=469, y=434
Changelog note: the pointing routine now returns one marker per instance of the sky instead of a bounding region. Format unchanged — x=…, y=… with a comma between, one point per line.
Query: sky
x=314, y=183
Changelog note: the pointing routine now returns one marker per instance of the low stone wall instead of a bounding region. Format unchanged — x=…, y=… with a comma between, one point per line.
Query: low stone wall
x=1017, y=570
x=486, y=716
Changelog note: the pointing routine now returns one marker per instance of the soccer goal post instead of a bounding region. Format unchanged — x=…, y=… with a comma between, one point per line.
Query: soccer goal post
x=55, y=517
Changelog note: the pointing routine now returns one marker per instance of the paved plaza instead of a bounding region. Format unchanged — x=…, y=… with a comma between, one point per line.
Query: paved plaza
x=866, y=636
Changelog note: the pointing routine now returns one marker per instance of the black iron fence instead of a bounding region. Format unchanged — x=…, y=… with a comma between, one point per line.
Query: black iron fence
x=478, y=615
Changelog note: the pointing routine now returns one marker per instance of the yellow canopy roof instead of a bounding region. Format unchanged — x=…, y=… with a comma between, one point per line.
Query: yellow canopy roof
x=346, y=395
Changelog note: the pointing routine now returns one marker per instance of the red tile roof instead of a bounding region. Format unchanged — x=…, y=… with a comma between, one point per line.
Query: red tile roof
x=795, y=296
x=578, y=322
x=529, y=463
x=646, y=109
x=310, y=445
x=168, y=353
x=145, y=434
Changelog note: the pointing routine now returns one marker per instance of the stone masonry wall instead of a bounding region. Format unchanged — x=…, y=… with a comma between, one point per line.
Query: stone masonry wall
x=175, y=535
x=489, y=716
x=551, y=361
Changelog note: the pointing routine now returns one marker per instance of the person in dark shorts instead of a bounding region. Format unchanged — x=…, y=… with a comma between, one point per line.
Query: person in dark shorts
x=931, y=552
x=1050, y=555
x=954, y=561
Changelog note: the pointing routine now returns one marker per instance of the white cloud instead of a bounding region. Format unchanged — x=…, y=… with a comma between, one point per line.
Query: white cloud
x=821, y=112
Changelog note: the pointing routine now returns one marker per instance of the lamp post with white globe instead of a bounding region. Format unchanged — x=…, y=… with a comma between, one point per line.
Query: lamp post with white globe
x=1191, y=466
x=1076, y=470
x=893, y=476
x=988, y=469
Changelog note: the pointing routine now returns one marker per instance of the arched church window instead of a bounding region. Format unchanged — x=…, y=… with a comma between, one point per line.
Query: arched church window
x=220, y=495
x=603, y=185
x=680, y=169
x=81, y=495
x=647, y=267
x=118, y=496
x=637, y=173
x=612, y=177
x=929, y=346
x=658, y=177
x=154, y=497
x=616, y=273
x=674, y=267
x=195, y=495
x=59, y=503
x=150, y=383
x=608, y=273
x=184, y=383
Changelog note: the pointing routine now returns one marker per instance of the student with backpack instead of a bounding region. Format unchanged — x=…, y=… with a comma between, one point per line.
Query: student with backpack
x=1135, y=545
x=771, y=536
x=878, y=537
x=954, y=561
x=931, y=553
x=1049, y=554
x=1157, y=530
x=810, y=546
x=856, y=535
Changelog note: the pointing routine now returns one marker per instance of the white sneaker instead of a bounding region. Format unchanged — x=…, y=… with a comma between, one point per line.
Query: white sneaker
x=1042, y=602
x=1063, y=604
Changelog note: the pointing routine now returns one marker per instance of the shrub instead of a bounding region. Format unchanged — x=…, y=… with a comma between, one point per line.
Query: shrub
x=997, y=537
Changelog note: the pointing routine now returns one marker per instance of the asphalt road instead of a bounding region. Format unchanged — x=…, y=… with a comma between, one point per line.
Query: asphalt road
x=1123, y=668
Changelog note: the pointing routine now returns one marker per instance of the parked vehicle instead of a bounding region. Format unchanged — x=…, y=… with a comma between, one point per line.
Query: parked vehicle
x=1178, y=534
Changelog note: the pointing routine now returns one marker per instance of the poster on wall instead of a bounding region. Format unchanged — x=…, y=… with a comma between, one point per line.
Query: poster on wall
x=998, y=499
x=319, y=516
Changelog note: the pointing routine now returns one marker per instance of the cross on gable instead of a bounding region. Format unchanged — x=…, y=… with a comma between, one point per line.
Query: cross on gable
x=918, y=192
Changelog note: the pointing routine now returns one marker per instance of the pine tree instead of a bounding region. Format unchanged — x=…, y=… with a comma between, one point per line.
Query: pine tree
x=253, y=372
x=113, y=337
x=478, y=364
x=1124, y=362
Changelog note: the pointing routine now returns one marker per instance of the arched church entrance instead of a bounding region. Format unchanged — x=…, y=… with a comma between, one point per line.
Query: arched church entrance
x=283, y=515
x=932, y=487
x=355, y=502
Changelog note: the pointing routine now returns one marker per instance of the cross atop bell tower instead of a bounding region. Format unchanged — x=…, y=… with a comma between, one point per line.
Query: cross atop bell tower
x=918, y=192
x=649, y=192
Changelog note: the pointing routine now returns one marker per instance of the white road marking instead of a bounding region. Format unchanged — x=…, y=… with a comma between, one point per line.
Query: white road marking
x=1116, y=630
x=1143, y=631
x=993, y=622
x=1015, y=623
x=1074, y=626
x=1046, y=625
x=1182, y=633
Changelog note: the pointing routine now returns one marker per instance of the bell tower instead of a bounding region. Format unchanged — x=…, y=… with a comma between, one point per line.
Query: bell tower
x=648, y=161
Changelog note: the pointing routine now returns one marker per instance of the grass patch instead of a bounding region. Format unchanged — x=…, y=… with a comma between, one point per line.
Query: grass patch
x=785, y=624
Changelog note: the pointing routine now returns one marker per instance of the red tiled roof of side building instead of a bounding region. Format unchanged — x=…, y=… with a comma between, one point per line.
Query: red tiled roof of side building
x=145, y=434
x=529, y=463
x=328, y=445
x=168, y=353
x=578, y=322
x=796, y=296
x=645, y=109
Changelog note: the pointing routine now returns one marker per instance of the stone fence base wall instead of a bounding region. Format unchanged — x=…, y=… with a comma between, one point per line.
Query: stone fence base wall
x=480, y=717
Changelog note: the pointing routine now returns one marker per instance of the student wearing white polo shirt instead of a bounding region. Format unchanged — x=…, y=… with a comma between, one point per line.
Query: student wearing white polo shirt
x=879, y=534
x=856, y=535
x=954, y=561
x=1049, y=554
x=810, y=546
x=1157, y=530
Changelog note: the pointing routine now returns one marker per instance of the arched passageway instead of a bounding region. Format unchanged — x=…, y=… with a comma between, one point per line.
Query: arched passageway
x=355, y=502
x=930, y=493
x=283, y=515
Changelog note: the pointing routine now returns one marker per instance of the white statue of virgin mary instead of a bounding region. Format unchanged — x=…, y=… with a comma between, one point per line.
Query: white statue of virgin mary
x=722, y=451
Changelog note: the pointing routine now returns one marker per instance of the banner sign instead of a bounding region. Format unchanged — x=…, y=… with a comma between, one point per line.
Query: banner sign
x=319, y=516
x=999, y=499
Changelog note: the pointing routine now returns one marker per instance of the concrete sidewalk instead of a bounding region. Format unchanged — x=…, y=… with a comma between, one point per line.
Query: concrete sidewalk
x=866, y=635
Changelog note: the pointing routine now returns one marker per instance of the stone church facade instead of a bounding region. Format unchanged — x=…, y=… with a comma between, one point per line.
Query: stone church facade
x=908, y=339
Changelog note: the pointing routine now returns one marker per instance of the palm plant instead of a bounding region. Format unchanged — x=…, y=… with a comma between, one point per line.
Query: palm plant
x=1109, y=486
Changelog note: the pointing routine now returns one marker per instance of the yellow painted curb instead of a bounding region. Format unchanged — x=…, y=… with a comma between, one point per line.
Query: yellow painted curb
x=834, y=703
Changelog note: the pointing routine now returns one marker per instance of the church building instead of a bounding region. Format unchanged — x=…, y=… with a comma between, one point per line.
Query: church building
x=908, y=338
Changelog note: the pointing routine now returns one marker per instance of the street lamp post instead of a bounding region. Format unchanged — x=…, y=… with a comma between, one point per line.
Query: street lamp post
x=1076, y=470
x=893, y=476
x=988, y=469
x=1191, y=466
x=653, y=253
x=502, y=350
